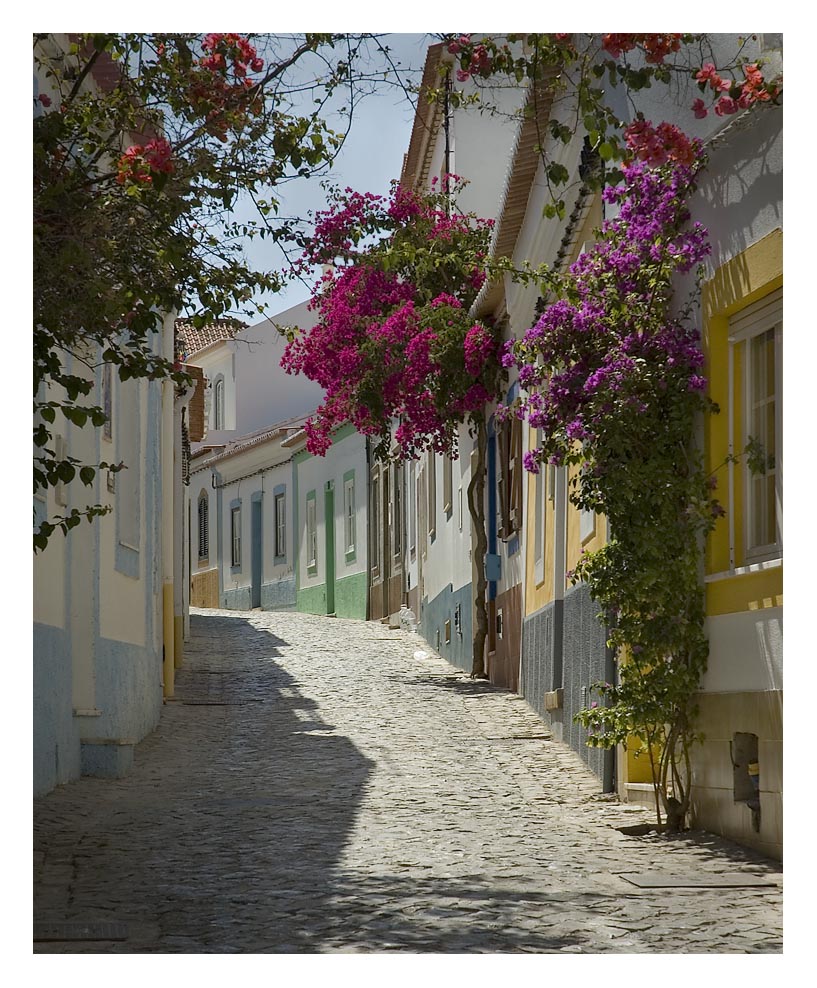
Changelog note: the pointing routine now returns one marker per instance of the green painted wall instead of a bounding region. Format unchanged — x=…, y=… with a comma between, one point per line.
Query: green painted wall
x=350, y=597
x=312, y=600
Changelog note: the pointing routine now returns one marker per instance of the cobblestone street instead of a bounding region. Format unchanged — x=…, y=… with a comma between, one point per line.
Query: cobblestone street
x=316, y=787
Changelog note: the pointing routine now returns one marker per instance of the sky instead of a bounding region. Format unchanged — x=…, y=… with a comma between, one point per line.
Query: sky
x=371, y=157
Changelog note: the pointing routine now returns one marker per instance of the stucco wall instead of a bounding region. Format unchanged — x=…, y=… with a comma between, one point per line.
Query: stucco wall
x=584, y=661
x=347, y=454
x=56, y=735
x=438, y=610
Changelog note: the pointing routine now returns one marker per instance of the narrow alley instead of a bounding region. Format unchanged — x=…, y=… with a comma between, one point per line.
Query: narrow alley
x=320, y=785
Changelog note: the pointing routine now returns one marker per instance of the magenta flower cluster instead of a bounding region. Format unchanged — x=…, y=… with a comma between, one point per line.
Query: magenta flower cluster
x=393, y=339
x=610, y=350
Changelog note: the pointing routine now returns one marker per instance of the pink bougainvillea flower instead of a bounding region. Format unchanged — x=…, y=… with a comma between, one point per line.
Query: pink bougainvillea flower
x=699, y=109
x=45, y=100
x=726, y=105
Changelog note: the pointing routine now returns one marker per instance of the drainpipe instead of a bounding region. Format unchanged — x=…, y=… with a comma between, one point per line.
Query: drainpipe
x=168, y=637
x=179, y=409
x=559, y=581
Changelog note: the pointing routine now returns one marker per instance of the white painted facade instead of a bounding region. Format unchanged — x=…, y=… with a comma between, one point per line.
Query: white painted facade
x=316, y=477
x=257, y=391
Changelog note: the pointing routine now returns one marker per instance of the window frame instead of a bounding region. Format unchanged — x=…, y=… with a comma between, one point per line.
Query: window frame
x=218, y=403
x=235, y=536
x=311, y=533
x=279, y=507
x=203, y=526
x=746, y=326
x=349, y=516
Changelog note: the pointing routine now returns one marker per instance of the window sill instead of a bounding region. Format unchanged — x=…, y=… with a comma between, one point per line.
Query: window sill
x=761, y=567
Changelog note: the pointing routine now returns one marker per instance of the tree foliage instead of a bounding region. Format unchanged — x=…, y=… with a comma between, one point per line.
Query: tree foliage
x=149, y=151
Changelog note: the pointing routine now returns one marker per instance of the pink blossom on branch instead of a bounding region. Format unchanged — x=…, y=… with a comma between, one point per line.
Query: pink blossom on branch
x=393, y=340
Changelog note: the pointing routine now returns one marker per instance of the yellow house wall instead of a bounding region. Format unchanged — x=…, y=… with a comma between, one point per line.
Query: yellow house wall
x=738, y=283
x=742, y=691
x=539, y=594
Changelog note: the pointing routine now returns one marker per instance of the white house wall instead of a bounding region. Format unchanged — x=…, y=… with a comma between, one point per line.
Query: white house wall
x=351, y=575
x=267, y=394
x=277, y=577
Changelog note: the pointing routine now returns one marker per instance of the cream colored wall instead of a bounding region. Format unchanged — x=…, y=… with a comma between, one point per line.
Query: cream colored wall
x=122, y=598
x=722, y=715
x=49, y=574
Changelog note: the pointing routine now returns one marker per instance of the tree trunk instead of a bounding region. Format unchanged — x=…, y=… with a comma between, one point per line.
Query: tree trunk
x=476, y=508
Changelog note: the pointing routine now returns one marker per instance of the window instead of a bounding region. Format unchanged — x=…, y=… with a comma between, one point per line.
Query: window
x=431, y=482
x=204, y=525
x=756, y=337
x=107, y=401
x=539, y=521
x=412, y=492
x=349, y=519
x=128, y=450
x=235, y=537
x=374, y=530
x=218, y=404
x=509, y=478
x=280, y=504
x=311, y=532
x=448, y=484
x=397, y=527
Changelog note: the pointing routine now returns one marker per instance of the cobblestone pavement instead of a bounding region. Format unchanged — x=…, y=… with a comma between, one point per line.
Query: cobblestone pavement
x=317, y=787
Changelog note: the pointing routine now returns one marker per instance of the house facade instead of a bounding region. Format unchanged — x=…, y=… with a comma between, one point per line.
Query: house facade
x=438, y=568
x=105, y=621
x=250, y=543
x=247, y=393
x=738, y=769
x=331, y=527
x=108, y=595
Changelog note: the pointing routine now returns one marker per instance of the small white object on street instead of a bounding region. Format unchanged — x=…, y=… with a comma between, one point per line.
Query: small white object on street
x=420, y=655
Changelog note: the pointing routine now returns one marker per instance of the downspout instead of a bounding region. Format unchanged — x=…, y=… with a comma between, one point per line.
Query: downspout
x=447, y=130
x=179, y=408
x=168, y=397
x=559, y=557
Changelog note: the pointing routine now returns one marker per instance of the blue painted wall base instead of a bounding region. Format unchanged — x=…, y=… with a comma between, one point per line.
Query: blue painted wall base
x=106, y=759
x=459, y=651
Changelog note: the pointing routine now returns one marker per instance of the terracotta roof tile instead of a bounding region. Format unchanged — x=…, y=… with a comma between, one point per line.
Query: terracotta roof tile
x=190, y=340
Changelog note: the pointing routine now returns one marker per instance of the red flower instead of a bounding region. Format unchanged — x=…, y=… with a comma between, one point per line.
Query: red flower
x=45, y=100
x=699, y=109
x=725, y=105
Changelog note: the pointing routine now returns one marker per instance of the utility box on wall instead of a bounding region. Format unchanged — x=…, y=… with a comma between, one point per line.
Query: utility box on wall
x=746, y=774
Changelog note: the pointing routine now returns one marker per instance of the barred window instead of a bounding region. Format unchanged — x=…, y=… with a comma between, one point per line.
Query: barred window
x=204, y=525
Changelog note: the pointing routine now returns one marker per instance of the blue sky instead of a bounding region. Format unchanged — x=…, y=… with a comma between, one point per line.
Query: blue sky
x=371, y=156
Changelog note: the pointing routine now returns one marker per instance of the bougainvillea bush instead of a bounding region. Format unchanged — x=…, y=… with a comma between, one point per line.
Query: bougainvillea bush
x=614, y=384
x=394, y=341
x=394, y=347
